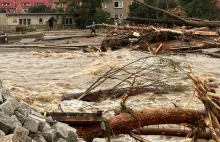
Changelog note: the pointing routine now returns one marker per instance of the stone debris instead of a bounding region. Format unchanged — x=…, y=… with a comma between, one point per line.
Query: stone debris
x=21, y=133
x=20, y=123
x=61, y=140
x=2, y=133
x=9, y=138
x=31, y=124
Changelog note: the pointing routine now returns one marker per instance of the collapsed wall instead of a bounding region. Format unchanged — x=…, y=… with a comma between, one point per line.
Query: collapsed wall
x=20, y=123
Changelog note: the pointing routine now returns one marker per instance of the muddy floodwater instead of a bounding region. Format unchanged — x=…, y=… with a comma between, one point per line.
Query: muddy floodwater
x=40, y=78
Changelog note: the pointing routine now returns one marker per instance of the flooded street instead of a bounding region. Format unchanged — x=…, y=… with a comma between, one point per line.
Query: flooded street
x=41, y=78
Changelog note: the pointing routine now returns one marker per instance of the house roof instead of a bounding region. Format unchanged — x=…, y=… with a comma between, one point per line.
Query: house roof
x=23, y=14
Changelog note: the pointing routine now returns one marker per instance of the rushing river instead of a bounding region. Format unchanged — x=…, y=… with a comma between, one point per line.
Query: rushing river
x=40, y=78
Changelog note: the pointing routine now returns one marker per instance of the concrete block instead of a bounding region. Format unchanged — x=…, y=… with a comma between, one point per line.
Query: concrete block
x=80, y=140
x=21, y=133
x=1, y=96
x=50, y=120
x=31, y=124
x=21, y=118
x=7, y=108
x=16, y=122
x=61, y=140
x=9, y=138
x=6, y=94
x=13, y=102
x=49, y=135
x=2, y=133
x=28, y=139
x=44, y=126
x=24, y=111
x=35, y=113
x=39, y=138
x=24, y=105
x=65, y=131
x=6, y=123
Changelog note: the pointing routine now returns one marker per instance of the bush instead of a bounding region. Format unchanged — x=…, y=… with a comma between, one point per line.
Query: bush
x=29, y=28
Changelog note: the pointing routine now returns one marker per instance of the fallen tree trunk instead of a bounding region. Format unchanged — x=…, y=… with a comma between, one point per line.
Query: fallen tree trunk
x=171, y=132
x=212, y=24
x=109, y=93
x=195, y=47
x=177, y=22
x=124, y=123
x=212, y=54
x=149, y=28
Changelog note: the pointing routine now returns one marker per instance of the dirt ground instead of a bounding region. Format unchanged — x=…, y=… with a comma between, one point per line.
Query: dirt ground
x=41, y=78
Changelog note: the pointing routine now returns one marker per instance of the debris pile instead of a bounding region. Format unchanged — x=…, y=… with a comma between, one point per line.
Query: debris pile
x=155, y=39
x=20, y=123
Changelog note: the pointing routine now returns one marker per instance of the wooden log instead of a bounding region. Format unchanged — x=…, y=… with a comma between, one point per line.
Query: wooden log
x=212, y=54
x=206, y=45
x=108, y=93
x=171, y=132
x=177, y=22
x=212, y=24
x=149, y=28
x=124, y=123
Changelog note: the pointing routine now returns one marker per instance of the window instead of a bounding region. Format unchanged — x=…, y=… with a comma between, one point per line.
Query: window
x=25, y=10
x=118, y=4
x=29, y=21
x=6, y=4
x=20, y=21
x=40, y=20
x=24, y=21
x=68, y=21
x=26, y=4
x=116, y=16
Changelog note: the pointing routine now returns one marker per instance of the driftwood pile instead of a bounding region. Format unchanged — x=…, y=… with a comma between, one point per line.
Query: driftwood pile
x=202, y=34
x=198, y=123
x=155, y=40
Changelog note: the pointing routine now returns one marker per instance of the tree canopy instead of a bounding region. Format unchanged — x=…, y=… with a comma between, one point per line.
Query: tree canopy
x=41, y=8
x=138, y=10
x=86, y=11
x=205, y=9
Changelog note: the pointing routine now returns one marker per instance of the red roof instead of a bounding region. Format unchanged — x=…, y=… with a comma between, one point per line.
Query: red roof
x=19, y=9
x=10, y=5
x=25, y=4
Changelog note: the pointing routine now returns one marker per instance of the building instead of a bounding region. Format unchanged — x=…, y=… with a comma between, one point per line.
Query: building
x=118, y=8
x=11, y=5
x=9, y=21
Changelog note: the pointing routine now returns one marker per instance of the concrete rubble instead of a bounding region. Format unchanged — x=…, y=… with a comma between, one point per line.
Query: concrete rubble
x=20, y=123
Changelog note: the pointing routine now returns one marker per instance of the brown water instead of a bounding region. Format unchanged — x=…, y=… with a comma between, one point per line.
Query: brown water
x=41, y=78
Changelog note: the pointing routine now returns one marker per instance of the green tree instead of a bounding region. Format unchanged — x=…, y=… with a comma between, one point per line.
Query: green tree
x=2, y=11
x=139, y=10
x=59, y=10
x=86, y=11
x=206, y=9
x=41, y=8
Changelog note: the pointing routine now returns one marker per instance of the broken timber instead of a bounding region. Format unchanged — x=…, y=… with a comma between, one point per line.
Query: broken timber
x=109, y=93
x=77, y=118
x=124, y=123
